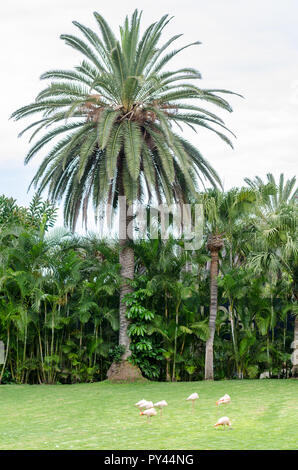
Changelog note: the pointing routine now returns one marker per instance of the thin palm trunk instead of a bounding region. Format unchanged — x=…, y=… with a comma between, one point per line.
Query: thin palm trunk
x=272, y=319
x=285, y=331
x=295, y=352
x=95, y=352
x=6, y=355
x=175, y=344
x=41, y=357
x=233, y=331
x=81, y=337
x=24, y=352
x=209, y=375
x=168, y=377
x=215, y=244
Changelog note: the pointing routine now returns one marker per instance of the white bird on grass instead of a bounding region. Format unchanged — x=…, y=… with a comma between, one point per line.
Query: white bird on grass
x=147, y=405
x=224, y=400
x=193, y=397
x=150, y=412
x=144, y=404
x=160, y=404
x=224, y=421
x=140, y=403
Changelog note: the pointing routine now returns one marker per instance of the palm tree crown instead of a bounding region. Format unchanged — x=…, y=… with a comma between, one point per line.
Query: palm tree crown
x=115, y=113
x=278, y=193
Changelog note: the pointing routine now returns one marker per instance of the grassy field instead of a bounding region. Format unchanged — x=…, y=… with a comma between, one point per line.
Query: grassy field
x=264, y=415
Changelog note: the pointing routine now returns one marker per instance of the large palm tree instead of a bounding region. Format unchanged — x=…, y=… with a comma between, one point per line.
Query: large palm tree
x=117, y=115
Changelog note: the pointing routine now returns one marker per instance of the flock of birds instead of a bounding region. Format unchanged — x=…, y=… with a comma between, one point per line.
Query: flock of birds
x=148, y=408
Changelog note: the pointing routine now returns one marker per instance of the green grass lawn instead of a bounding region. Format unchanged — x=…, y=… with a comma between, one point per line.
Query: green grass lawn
x=264, y=415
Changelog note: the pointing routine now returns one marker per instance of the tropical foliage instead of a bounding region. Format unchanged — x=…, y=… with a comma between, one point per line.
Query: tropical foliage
x=59, y=295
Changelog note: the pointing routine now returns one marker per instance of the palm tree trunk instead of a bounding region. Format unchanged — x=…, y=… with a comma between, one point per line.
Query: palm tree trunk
x=209, y=375
x=126, y=260
x=214, y=245
x=124, y=370
x=175, y=343
x=41, y=357
x=6, y=355
x=168, y=377
x=295, y=352
x=231, y=317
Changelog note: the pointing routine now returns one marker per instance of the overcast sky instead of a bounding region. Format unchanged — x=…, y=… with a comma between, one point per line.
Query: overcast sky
x=250, y=47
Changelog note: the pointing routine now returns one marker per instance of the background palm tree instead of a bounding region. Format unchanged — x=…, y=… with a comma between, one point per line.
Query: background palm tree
x=118, y=112
x=223, y=212
x=284, y=192
x=275, y=249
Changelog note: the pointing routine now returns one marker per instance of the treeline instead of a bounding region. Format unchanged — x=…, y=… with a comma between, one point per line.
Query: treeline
x=59, y=293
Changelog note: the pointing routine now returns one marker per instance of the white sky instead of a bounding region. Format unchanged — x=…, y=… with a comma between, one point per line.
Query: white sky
x=250, y=47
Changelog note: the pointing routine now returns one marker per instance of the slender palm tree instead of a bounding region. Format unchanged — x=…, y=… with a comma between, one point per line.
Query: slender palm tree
x=214, y=245
x=223, y=212
x=116, y=118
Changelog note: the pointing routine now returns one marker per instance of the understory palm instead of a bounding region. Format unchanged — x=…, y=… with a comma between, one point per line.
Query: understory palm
x=223, y=212
x=117, y=115
x=275, y=249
